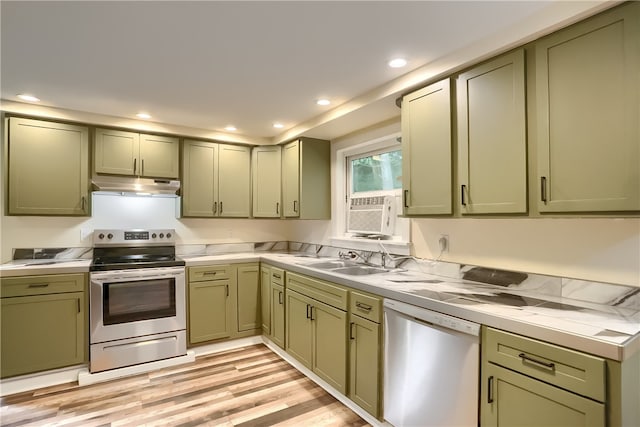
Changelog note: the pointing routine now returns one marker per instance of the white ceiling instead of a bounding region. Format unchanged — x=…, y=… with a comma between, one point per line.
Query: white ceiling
x=208, y=64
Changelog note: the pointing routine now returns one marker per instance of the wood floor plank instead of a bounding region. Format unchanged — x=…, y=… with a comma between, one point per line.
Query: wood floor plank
x=250, y=386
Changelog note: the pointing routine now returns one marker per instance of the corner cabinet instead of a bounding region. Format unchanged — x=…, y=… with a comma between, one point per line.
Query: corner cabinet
x=492, y=137
x=44, y=323
x=216, y=180
x=316, y=327
x=132, y=154
x=266, y=172
x=588, y=109
x=48, y=168
x=426, y=150
x=306, y=179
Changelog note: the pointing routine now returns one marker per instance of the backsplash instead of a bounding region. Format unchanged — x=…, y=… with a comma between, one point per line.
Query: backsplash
x=555, y=288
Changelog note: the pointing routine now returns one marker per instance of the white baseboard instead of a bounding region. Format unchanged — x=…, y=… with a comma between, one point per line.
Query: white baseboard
x=226, y=345
x=38, y=380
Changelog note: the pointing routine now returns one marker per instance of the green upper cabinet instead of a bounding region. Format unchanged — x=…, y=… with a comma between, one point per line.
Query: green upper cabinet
x=127, y=153
x=215, y=180
x=48, y=168
x=588, y=115
x=426, y=150
x=266, y=172
x=306, y=179
x=492, y=141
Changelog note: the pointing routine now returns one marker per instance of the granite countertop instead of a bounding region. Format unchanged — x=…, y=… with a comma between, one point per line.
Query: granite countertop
x=599, y=329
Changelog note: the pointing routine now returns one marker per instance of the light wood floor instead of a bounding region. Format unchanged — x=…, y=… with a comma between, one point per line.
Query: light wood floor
x=250, y=386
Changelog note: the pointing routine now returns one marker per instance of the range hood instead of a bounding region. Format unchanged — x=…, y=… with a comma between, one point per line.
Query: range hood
x=135, y=186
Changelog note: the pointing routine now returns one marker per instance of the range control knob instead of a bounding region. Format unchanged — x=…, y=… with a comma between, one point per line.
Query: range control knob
x=161, y=235
x=109, y=236
x=153, y=236
x=168, y=235
x=101, y=236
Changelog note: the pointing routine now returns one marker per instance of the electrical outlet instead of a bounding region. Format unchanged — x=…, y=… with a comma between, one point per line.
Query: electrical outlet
x=443, y=242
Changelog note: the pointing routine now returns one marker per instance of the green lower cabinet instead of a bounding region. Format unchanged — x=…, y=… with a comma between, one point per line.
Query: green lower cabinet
x=299, y=342
x=364, y=364
x=512, y=399
x=265, y=299
x=249, y=317
x=42, y=332
x=277, y=314
x=211, y=312
x=316, y=335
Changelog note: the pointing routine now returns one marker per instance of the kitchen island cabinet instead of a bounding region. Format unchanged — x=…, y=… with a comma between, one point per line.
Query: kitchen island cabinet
x=426, y=150
x=132, y=154
x=306, y=179
x=266, y=173
x=216, y=180
x=43, y=323
x=316, y=327
x=588, y=105
x=48, y=166
x=492, y=137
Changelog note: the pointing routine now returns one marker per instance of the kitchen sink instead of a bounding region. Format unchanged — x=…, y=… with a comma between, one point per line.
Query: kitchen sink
x=330, y=265
x=360, y=270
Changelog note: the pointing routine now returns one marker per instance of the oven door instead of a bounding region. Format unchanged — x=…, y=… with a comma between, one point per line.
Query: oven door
x=137, y=302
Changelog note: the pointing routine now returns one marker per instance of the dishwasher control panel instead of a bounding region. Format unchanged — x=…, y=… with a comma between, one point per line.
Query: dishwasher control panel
x=433, y=318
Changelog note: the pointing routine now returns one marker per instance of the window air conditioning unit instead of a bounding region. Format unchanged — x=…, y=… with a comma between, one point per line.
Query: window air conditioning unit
x=372, y=215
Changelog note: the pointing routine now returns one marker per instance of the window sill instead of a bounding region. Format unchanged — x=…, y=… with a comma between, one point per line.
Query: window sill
x=396, y=247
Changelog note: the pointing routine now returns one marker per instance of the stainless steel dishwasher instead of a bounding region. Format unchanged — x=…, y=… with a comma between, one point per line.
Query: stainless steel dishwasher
x=431, y=375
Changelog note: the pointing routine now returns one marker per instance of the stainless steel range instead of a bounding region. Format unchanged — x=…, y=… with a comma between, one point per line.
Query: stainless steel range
x=137, y=298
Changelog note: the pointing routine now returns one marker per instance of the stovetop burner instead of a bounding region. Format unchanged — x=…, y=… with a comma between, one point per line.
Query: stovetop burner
x=129, y=249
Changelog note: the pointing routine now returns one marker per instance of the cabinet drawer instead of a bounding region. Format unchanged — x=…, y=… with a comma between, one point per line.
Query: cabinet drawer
x=41, y=285
x=277, y=276
x=210, y=272
x=367, y=306
x=328, y=293
x=574, y=371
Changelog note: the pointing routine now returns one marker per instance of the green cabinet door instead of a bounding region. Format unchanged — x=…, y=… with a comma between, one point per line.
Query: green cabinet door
x=266, y=173
x=511, y=399
x=199, y=179
x=330, y=344
x=234, y=180
x=299, y=339
x=426, y=150
x=588, y=109
x=159, y=156
x=248, y=294
x=492, y=137
x=211, y=314
x=48, y=168
x=42, y=332
x=265, y=298
x=291, y=179
x=277, y=314
x=364, y=364
x=116, y=152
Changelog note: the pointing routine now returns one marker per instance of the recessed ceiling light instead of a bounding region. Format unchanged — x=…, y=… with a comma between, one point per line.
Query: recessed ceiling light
x=27, y=97
x=278, y=125
x=145, y=116
x=230, y=128
x=323, y=102
x=397, y=63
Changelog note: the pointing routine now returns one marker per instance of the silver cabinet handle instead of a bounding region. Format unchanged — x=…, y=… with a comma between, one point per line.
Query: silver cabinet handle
x=277, y=208
x=351, y=336
x=207, y=273
x=227, y=286
x=295, y=209
x=308, y=315
x=280, y=301
x=463, y=188
x=83, y=201
x=406, y=198
x=490, y=390
x=277, y=276
x=135, y=164
x=543, y=188
x=142, y=168
x=546, y=365
x=79, y=311
x=220, y=208
x=215, y=208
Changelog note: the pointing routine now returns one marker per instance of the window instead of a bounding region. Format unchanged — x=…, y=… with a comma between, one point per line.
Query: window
x=379, y=171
